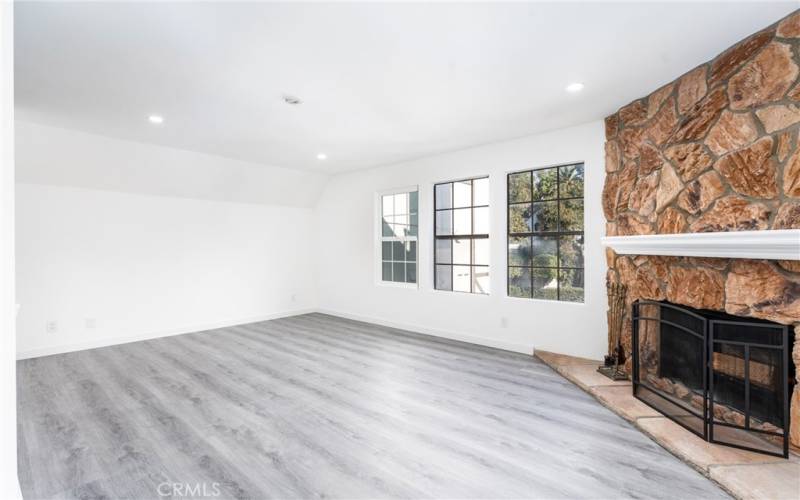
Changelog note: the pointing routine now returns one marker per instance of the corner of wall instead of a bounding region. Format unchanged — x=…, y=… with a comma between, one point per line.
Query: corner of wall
x=9, y=483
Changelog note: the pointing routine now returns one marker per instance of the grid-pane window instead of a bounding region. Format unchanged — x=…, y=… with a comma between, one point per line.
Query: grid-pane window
x=545, y=233
x=461, y=236
x=399, y=222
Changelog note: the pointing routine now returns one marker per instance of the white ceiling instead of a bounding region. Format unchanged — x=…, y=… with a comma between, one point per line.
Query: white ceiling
x=381, y=83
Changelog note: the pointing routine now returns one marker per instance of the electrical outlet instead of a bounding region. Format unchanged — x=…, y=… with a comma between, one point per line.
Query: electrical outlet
x=51, y=326
x=90, y=323
x=504, y=322
x=294, y=297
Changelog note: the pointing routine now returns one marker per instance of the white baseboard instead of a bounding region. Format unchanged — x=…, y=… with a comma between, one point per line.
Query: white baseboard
x=95, y=343
x=92, y=344
x=482, y=341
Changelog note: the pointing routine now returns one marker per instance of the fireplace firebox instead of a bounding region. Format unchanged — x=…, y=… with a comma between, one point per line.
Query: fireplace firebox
x=725, y=378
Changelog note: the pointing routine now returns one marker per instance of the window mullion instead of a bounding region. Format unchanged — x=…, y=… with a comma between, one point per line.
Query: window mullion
x=471, y=231
x=558, y=229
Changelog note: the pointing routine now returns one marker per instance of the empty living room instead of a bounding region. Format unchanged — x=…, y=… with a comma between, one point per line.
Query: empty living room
x=406, y=250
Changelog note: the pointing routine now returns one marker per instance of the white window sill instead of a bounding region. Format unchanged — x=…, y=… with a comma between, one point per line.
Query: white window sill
x=458, y=294
x=546, y=301
x=393, y=284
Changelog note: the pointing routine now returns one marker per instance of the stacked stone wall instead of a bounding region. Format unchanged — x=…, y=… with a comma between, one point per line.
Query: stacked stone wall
x=715, y=150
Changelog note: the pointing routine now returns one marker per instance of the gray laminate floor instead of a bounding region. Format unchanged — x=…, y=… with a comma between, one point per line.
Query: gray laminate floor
x=320, y=407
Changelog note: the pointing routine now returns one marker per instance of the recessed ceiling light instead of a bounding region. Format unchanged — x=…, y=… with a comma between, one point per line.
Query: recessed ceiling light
x=574, y=87
x=157, y=119
x=322, y=156
x=290, y=99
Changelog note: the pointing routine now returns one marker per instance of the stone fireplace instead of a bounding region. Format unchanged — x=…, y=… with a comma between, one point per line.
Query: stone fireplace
x=714, y=151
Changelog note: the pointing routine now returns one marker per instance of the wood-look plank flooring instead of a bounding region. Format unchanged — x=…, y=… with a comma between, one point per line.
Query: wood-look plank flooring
x=316, y=406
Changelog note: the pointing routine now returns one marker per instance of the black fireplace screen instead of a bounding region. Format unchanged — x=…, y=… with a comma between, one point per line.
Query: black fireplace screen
x=722, y=377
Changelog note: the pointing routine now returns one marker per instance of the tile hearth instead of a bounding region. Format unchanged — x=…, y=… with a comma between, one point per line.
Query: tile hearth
x=744, y=474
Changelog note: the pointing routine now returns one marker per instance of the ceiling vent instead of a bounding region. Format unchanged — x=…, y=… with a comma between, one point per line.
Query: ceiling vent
x=290, y=99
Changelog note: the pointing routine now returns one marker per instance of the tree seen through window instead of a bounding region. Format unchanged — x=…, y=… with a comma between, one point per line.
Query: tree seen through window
x=545, y=233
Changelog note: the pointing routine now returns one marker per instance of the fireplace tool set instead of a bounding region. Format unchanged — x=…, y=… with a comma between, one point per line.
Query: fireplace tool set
x=615, y=359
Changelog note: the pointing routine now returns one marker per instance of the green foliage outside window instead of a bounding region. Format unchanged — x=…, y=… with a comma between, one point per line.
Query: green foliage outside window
x=545, y=225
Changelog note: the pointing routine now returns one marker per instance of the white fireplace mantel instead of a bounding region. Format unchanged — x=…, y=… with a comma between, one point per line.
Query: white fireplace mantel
x=778, y=244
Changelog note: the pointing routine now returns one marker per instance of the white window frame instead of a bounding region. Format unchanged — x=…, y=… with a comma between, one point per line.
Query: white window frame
x=378, y=237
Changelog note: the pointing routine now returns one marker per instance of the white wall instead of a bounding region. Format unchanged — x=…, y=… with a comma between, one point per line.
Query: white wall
x=141, y=264
x=55, y=156
x=9, y=485
x=346, y=217
x=149, y=241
